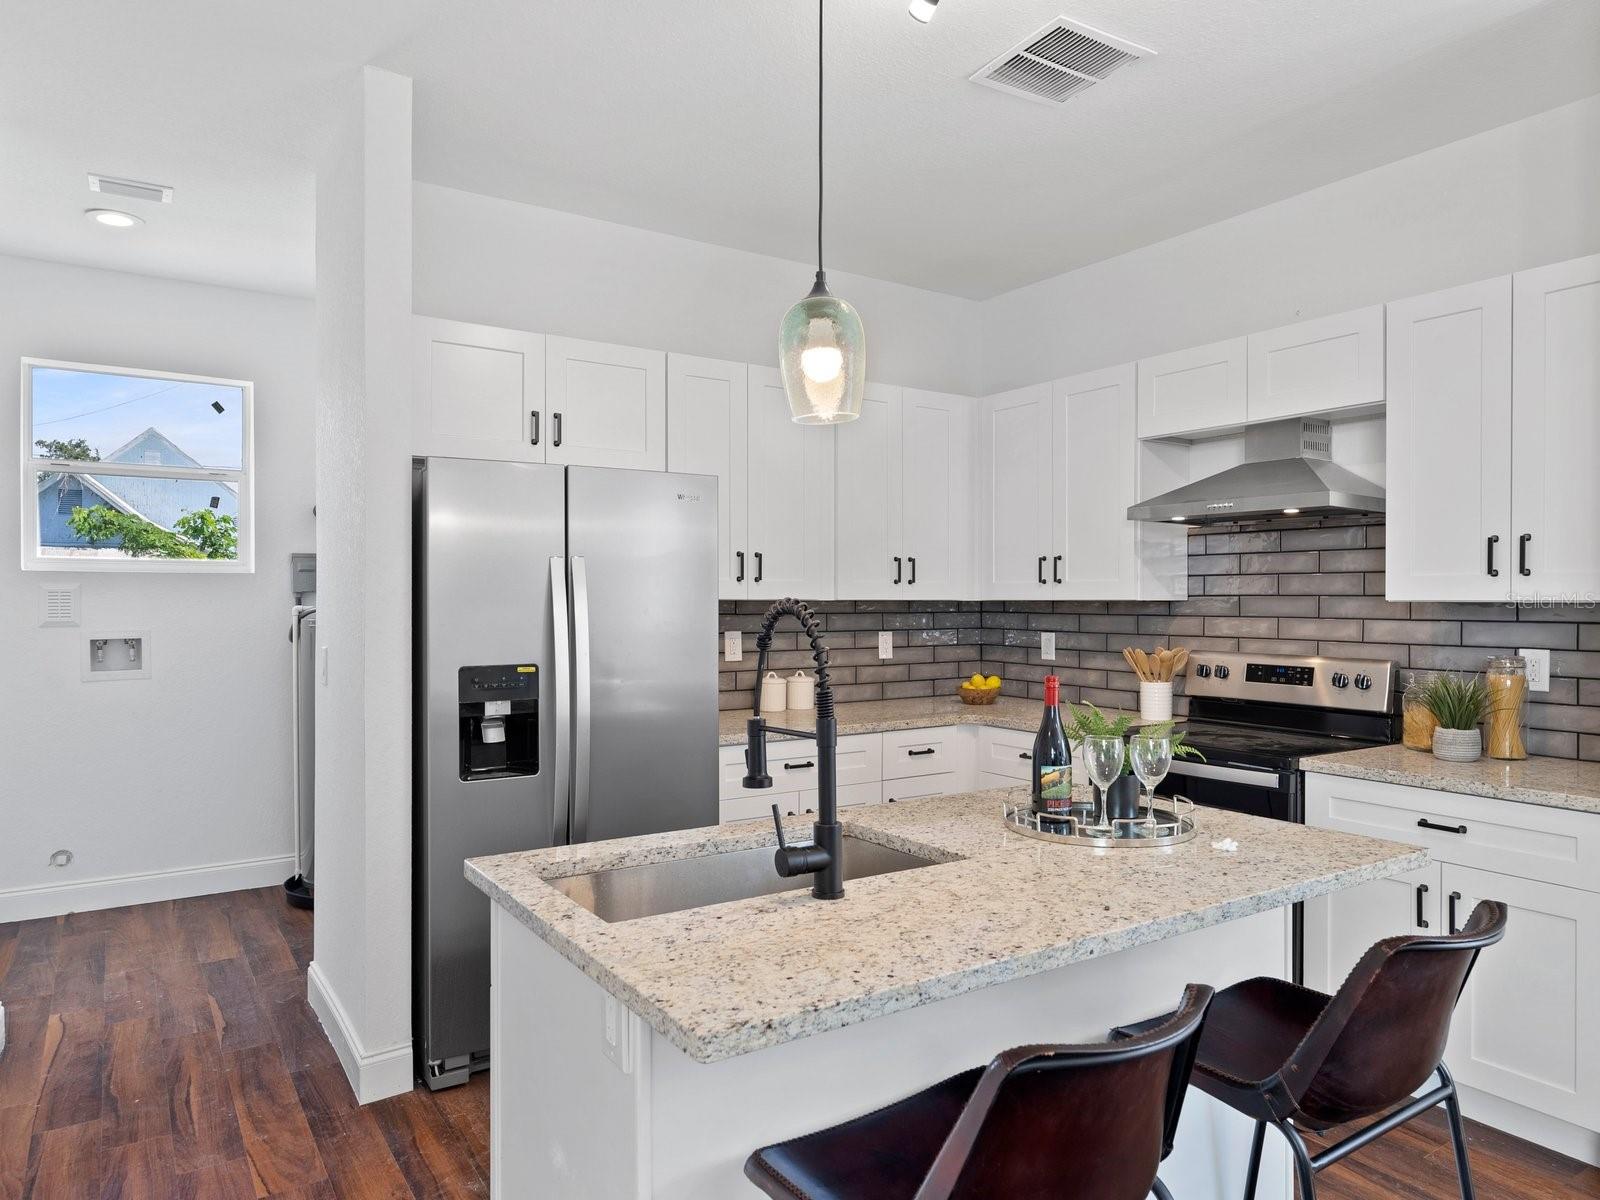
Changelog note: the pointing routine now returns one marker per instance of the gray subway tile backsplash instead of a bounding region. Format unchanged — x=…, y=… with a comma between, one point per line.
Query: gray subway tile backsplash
x=1282, y=591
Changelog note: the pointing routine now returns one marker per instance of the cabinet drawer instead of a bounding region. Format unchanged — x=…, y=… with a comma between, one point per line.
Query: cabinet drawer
x=989, y=779
x=942, y=784
x=1548, y=844
x=851, y=795
x=1004, y=752
x=911, y=752
x=794, y=765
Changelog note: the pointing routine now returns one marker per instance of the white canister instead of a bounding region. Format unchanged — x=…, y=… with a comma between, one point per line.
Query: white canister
x=774, y=695
x=802, y=691
x=1155, y=701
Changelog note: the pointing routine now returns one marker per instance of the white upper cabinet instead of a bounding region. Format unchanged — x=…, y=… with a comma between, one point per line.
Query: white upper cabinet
x=477, y=391
x=708, y=434
x=1191, y=392
x=791, y=497
x=606, y=405
x=1016, y=480
x=868, y=557
x=1317, y=367
x=1555, y=443
x=1449, y=436
x=935, y=479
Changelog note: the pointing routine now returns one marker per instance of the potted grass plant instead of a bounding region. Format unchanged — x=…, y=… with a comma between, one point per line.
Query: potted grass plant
x=1460, y=702
x=1122, y=797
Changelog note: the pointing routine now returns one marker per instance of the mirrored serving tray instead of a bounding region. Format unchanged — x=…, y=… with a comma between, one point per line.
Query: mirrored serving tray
x=1167, y=821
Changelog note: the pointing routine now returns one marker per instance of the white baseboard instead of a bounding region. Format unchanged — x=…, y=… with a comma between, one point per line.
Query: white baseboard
x=1550, y=1132
x=373, y=1075
x=54, y=899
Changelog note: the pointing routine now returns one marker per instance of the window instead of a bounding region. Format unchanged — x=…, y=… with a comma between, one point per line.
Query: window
x=132, y=470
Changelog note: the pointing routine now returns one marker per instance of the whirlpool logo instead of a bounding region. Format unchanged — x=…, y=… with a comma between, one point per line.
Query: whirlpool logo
x=689, y=497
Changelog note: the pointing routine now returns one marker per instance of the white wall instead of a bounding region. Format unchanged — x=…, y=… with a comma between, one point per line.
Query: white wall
x=1510, y=198
x=188, y=770
x=498, y=262
x=360, y=976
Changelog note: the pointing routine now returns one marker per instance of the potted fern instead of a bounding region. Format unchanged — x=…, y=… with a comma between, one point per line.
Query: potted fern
x=1459, y=702
x=1122, y=797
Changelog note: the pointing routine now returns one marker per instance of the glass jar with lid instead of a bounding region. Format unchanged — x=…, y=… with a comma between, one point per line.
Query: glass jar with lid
x=1507, y=679
x=1417, y=721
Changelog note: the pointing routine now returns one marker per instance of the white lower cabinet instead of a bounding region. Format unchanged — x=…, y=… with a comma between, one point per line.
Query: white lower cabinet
x=1526, y=1032
x=873, y=768
x=1006, y=753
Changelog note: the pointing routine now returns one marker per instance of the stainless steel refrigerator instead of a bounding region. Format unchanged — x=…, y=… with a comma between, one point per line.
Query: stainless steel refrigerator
x=565, y=692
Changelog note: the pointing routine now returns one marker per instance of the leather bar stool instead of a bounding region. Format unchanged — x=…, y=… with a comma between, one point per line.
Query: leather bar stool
x=1070, y=1122
x=1290, y=1057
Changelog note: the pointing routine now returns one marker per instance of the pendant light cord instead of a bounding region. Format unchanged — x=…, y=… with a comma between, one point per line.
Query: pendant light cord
x=819, y=137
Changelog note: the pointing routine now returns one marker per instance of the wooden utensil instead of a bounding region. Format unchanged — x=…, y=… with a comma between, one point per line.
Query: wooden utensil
x=1180, y=660
x=1127, y=654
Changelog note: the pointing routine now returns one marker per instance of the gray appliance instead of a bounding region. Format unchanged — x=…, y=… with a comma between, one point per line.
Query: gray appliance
x=298, y=889
x=565, y=692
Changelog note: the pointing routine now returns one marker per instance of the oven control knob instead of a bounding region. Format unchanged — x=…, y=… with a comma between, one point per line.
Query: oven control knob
x=1220, y=671
x=1203, y=671
x=1363, y=682
x=1340, y=679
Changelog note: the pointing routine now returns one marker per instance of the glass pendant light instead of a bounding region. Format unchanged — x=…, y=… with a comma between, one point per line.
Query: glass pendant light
x=822, y=348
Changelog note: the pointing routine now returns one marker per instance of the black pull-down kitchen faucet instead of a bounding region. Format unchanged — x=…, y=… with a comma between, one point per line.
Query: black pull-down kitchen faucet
x=824, y=858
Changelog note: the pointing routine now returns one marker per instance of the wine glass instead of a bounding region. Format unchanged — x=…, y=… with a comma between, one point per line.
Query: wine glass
x=1152, y=758
x=1102, y=757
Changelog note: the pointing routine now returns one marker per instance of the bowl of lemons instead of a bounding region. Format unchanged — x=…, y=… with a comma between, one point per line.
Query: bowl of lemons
x=980, y=690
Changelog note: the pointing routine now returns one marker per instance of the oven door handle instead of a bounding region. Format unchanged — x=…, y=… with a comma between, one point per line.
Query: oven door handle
x=1239, y=775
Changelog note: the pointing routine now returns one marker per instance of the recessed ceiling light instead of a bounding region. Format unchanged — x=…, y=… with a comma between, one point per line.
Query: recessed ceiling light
x=113, y=217
x=923, y=10
x=1289, y=512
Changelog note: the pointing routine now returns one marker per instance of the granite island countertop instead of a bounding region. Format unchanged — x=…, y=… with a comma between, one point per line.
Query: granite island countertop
x=887, y=716
x=1549, y=782
x=733, y=978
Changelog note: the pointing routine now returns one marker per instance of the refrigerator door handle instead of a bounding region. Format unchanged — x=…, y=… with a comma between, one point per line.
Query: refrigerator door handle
x=562, y=664
x=581, y=712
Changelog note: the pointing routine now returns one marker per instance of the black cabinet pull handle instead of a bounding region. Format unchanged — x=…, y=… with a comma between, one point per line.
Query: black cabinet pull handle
x=920, y=753
x=1026, y=755
x=1522, y=554
x=896, y=568
x=912, y=563
x=758, y=566
x=1455, y=899
x=1422, y=921
x=1041, y=568
x=533, y=427
x=739, y=578
x=1424, y=823
x=805, y=766
x=1055, y=568
x=1494, y=539
x=557, y=441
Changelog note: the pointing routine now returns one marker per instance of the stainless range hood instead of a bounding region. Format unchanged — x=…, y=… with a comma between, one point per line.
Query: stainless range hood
x=1288, y=474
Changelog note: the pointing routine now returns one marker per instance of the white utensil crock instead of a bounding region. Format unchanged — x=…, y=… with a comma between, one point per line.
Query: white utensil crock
x=1155, y=701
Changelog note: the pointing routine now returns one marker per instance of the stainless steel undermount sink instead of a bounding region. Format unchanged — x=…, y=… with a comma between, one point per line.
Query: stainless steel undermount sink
x=628, y=893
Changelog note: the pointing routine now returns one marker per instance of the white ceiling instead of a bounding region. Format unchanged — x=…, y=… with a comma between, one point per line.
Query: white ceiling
x=696, y=117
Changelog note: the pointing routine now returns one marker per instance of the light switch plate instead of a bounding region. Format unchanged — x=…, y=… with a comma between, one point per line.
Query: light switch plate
x=1538, y=669
x=733, y=646
x=1047, y=646
x=886, y=644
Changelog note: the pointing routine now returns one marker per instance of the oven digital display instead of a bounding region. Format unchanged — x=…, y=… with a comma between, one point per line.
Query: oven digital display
x=1279, y=673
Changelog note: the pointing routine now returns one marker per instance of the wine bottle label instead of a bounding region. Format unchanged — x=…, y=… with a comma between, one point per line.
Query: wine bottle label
x=1055, y=787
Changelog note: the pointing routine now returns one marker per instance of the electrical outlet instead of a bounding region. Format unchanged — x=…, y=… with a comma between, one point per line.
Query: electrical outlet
x=1538, y=669
x=886, y=644
x=733, y=646
x=1047, y=646
x=614, y=1037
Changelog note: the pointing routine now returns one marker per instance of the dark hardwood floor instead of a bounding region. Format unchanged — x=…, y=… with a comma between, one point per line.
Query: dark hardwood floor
x=166, y=1052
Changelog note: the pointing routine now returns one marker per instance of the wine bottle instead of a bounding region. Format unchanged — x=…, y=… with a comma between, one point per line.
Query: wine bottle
x=1052, y=757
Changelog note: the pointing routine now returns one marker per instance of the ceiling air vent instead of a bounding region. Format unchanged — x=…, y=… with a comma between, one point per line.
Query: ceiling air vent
x=1059, y=61
x=133, y=189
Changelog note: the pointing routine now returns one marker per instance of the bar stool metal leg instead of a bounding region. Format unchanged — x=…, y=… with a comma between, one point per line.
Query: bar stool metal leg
x=1304, y=1170
x=1458, y=1135
x=1253, y=1173
x=1159, y=1191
